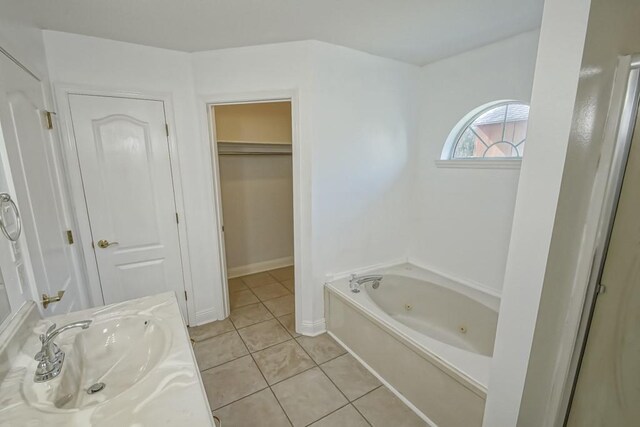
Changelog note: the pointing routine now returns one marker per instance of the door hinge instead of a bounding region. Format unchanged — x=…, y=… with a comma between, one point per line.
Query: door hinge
x=70, y=237
x=177, y=218
x=185, y=296
x=223, y=228
x=166, y=128
x=49, y=119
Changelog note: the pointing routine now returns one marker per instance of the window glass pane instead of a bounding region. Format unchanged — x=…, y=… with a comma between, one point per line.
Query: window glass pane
x=497, y=132
x=466, y=146
x=501, y=149
x=492, y=117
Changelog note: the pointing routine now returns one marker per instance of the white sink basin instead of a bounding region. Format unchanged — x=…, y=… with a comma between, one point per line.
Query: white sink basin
x=116, y=352
x=138, y=349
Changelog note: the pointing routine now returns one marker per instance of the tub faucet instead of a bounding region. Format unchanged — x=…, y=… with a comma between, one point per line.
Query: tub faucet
x=355, y=282
x=50, y=357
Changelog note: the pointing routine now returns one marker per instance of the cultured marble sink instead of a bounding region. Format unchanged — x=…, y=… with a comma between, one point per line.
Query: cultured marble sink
x=116, y=352
x=136, y=354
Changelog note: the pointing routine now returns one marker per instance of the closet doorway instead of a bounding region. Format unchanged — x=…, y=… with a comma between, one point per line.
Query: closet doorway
x=253, y=142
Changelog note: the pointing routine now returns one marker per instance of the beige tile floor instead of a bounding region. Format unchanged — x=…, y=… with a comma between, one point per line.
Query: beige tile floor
x=257, y=371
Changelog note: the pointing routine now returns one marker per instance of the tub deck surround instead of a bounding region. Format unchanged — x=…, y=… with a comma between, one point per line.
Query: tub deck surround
x=140, y=349
x=429, y=338
x=450, y=323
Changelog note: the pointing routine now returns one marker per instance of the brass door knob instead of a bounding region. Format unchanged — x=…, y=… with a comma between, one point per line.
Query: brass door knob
x=105, y=243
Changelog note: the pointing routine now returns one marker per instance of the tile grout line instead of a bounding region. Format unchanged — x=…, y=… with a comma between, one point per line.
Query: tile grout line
x=246, y=326
x=273, y=314
x=350, y=402
x=253, y=324
x=265, y=378
x=258, y=366
x=239, y=399
x=329, y=360
x=292, y=338
x=358, y=410
x=261, y=301
x=345, y=396
x=211, y=337
x=325, y=416
x=235, y=329
x=294, y=375
x=230, y=360
x=280, y=404
x=270, y=387
x=334, y=384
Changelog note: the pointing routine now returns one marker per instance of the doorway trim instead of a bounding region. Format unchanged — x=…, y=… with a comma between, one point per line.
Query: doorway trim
x=301, y=178
x=72, y=168
x=618, y=136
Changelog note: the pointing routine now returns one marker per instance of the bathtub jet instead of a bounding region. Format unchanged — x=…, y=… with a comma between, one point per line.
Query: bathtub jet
x=355, y=282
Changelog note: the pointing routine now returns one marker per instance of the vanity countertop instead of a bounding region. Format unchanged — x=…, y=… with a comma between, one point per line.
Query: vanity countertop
x=160, y=384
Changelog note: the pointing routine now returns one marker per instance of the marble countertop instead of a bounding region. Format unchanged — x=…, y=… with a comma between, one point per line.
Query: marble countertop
x=170, y=393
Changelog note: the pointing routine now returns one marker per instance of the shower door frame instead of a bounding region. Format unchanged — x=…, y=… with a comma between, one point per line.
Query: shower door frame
x=618, y=139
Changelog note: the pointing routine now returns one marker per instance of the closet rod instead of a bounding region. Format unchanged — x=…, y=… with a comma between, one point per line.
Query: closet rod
x=253, y=153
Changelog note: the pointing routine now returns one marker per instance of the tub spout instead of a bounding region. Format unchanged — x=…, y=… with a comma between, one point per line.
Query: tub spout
x=355, y=282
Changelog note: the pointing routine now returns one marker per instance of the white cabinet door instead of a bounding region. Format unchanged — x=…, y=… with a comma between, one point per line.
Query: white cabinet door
x=123, y=153
x=35, y=174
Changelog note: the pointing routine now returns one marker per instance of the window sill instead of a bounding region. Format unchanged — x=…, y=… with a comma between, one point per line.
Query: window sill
x=480, y=164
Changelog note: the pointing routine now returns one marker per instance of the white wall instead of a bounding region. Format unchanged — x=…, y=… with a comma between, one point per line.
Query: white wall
x=364, y=126
x=355, y=123
x=25, y=43
x=107, y=64
x=462, y=220
x=253, y=73
x=257, y=202
x=553, y=98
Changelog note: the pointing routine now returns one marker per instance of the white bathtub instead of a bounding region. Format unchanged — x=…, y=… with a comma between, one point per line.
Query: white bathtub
x=450, y=325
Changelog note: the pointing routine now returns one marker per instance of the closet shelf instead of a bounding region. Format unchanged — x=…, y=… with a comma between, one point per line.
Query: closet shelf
x=228, y=148
x=230, y=141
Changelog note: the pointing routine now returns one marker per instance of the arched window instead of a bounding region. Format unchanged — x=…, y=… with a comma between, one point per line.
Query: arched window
x=496, y=130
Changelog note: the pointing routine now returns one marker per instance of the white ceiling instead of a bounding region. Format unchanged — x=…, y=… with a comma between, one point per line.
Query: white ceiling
x=414, y=31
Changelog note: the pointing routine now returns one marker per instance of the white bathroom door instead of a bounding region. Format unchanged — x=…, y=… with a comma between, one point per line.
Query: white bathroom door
x=123, y=151
x=36, y=181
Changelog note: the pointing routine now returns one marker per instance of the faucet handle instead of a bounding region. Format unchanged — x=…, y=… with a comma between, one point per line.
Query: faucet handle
x=43, y=337
x=51, y=329
x=42, y=355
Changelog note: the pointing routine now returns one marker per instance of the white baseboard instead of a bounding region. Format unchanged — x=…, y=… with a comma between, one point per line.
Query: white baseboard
x=312, y=329
x=383, y=381
x=259, y=267
x=205, y=316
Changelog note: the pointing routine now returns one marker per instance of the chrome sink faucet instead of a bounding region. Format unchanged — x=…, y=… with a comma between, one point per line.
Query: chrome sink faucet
x=355, y=282
x=50, y=357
